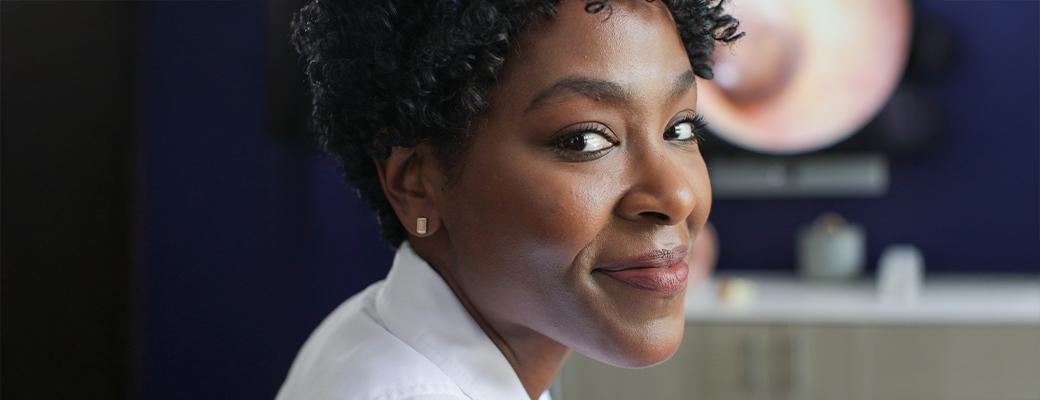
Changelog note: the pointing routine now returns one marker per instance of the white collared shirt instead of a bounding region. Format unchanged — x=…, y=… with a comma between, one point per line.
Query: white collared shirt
x=405, y=337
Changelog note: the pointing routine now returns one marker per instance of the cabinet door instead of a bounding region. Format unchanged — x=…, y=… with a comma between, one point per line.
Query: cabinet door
x=713, y=362
x=821, y=362
x=730, y=362
x=956, y=363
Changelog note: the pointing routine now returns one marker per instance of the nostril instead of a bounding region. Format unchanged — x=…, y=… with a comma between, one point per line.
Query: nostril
x=657, y=217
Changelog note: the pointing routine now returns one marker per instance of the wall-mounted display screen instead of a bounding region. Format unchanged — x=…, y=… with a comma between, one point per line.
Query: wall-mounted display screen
x=808, y=74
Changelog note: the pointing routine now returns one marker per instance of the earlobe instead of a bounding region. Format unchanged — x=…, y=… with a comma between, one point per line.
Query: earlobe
x=406, y=187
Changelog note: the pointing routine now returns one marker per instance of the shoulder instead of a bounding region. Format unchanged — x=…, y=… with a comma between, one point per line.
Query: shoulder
x=351, y=356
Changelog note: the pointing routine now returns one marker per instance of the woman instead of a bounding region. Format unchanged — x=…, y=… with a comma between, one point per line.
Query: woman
x=535, y=163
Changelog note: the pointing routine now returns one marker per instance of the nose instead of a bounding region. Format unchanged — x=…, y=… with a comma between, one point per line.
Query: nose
x=660, y=190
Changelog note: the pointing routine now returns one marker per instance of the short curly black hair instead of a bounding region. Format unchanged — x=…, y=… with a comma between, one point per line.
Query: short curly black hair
x=400, y=72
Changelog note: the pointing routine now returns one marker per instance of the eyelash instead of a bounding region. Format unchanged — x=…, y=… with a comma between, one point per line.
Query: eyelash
x=699, y=129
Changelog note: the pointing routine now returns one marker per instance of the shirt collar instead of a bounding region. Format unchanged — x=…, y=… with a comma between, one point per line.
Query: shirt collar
x=417, y=306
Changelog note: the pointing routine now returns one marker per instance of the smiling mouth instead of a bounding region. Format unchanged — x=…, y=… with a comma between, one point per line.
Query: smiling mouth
x=663, y=272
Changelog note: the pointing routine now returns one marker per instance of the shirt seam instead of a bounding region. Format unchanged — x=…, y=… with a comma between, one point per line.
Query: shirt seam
x=431, y=388
x=459, y=373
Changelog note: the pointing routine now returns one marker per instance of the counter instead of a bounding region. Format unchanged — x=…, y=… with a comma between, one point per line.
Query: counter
x=961, y=300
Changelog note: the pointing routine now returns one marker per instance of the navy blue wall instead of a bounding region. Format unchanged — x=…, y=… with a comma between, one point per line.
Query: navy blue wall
x=247, y=241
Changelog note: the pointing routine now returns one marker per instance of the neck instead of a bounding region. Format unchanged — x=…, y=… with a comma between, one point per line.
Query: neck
x=535, y=358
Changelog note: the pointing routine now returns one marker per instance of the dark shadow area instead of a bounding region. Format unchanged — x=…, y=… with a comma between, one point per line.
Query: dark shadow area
x=67, y=126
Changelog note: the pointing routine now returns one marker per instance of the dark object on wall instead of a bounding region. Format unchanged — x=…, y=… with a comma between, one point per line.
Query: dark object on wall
x=68, y=143
x=913, y=121
x=934, y=49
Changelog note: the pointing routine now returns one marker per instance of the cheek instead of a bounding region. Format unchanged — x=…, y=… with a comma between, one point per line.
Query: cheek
x=516, y=201
x=518, y=227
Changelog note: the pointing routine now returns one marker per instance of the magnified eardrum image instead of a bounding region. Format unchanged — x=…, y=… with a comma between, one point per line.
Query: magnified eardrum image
x=808, y=74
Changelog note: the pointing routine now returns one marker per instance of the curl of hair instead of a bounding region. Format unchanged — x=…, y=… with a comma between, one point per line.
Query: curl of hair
x=400, y=72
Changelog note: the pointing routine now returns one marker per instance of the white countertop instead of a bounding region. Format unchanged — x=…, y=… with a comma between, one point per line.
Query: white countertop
x=776, y=298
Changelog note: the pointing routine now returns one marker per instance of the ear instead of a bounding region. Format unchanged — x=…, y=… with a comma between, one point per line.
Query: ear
x=412, y=180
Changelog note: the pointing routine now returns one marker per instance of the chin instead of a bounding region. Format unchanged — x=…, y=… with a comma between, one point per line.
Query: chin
x=641, y=347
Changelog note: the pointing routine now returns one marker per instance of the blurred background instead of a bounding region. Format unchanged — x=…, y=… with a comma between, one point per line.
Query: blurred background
x=171, y=231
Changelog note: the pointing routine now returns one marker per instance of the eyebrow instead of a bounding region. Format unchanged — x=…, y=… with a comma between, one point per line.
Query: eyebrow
x=683, y=83
x=603, y=90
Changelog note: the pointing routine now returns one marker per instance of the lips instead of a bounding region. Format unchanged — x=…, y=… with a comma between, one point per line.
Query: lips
x=662, y=272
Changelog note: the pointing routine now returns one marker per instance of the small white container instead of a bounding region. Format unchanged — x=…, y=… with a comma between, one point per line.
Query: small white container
x=900, y=272
x=831, y=249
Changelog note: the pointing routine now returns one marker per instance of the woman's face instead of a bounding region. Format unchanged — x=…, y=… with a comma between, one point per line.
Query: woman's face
x=581, y=189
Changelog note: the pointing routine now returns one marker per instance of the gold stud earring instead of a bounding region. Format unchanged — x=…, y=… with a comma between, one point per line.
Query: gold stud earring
x=420, y=225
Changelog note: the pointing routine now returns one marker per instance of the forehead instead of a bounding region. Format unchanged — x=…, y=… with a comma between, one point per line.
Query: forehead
x=635, y=44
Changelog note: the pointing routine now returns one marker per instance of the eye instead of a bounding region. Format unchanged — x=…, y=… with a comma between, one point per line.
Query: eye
x=681, y=131
x=686, y=130
x=586, y=142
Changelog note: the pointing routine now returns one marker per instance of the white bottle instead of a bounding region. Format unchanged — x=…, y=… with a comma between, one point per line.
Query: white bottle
x=900, y=272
